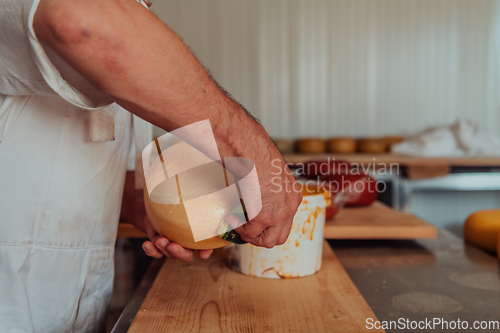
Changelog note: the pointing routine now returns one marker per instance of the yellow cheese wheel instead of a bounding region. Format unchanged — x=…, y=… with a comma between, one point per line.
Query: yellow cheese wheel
x=372, y=146
x=342, y=145
x=483, y=229
x=311, y=145
x=168, y=213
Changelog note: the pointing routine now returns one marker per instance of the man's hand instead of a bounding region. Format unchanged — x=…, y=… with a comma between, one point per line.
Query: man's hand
x=280, y=195
x=156, y=77
x=159, y=246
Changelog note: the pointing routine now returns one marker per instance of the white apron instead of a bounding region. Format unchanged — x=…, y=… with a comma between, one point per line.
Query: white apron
x=59, y=201
x=60, y=193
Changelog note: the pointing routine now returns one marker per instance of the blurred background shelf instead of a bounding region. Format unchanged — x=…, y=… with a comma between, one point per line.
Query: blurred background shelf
x=403, y=160
x=442, y=191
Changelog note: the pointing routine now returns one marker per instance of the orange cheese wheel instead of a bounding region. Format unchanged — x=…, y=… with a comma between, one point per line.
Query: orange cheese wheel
x=168, y=213
x=342, y=145
x=311, y=145
x=372, y=146
x=483, y=229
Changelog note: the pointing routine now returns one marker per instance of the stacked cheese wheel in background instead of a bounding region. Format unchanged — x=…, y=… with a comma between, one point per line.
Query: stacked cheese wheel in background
x=348, y=186
x=339, y=145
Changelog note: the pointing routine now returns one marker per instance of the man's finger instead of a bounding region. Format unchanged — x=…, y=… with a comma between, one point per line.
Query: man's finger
x=161, y=243
x=268, y=238
x=178, y=252
x=271, y=235
x=250, y=230
x=285, y=232
x=151, y=250
x=204, y=254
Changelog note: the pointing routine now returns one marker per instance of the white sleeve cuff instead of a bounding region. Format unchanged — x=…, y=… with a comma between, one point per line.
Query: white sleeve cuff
x=53, y=77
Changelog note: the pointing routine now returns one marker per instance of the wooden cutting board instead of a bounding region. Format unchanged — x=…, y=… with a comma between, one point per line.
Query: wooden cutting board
x=377, y=222
x=207, y=296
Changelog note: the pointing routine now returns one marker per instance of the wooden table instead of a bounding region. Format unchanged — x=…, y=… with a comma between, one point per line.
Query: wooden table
x=207, y=296
x=377, y=222
x=419, y=280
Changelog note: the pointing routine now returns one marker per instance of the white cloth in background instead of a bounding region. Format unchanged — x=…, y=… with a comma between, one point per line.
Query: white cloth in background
x=463, y=139
x=60, y=193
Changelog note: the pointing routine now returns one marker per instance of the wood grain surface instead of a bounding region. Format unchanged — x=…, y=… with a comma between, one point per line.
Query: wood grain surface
x=377, y=222
x=427, y=171
x=207, y=296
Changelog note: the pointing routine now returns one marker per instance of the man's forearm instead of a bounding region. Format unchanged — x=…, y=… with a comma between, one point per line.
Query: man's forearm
x=128, y=53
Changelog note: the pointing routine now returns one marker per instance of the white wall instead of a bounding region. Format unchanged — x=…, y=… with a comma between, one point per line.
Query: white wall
x=355, y=67
x=450, y=209
x=349, y=67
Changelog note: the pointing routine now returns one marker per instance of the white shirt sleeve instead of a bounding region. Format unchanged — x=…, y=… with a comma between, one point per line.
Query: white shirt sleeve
x=27, y=67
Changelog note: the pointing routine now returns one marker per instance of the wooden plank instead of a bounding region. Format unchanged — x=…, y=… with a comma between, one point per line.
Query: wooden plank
x=426, y=171
x=377, y=222
x=207, y=296
x=402, y=160
x=127, y=230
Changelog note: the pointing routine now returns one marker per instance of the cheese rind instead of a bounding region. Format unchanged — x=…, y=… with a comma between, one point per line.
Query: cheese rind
x=483, y=229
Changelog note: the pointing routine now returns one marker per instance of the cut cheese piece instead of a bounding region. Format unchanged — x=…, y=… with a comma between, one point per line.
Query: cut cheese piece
x=483, y=229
